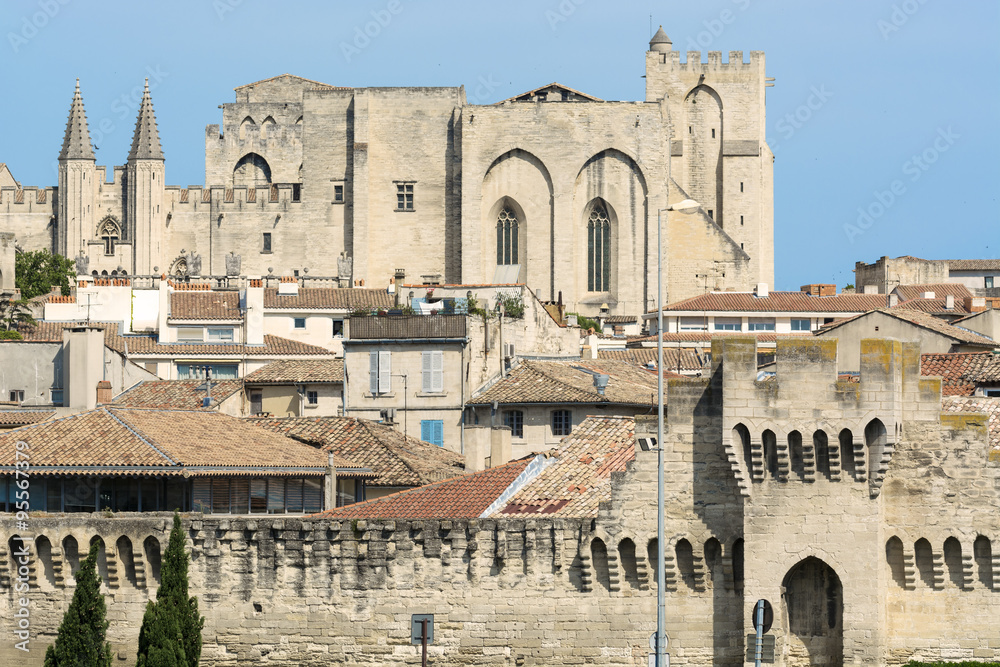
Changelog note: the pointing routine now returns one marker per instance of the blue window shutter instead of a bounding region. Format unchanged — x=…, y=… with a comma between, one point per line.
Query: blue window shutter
x=425, y=430
x=438, y=432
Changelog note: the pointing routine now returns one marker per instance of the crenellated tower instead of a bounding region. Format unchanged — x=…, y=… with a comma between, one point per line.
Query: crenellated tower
x=719, y=153
x=77, y=183
x=144, y=173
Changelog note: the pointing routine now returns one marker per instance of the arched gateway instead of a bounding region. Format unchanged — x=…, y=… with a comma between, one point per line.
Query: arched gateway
x=813, y=601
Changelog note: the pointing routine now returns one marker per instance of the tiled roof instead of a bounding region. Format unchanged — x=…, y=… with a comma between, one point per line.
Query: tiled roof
x=941, y=290
x=934, y=306
x=974, y=264
x=925, y=321
x=169, y=441
x=345, y=298
x=465, y=497
x=621, y=319
x=580, y=478
x=707, y=336
x=175, y=394
x=688, y=359
x=205, y=306
x=24, y=417
x=144, y=344
x=989, y=406
x=779, y=302
x=298, y=370
x=566, y=382
x=398, y=460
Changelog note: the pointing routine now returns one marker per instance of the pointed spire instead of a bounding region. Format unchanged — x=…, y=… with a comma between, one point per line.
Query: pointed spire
x=76, y=142
x=660, y=38
x=146, y=140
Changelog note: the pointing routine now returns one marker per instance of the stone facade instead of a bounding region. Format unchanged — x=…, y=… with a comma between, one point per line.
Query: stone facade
x=865, y=515
x=299, y=173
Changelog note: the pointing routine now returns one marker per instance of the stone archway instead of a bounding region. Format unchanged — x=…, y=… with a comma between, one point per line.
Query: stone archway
x=813, y=601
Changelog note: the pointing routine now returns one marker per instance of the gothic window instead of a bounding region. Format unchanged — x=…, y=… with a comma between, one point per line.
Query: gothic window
x=252, y=170
x=109, y=234
x=598, y=249
x=507, y=236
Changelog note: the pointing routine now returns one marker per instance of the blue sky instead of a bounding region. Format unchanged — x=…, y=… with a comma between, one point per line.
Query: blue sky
x=883, y=116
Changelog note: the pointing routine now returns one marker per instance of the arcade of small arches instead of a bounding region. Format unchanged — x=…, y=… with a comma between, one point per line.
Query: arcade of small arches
x=859, y=454
x=951, y=564
x=123, y=562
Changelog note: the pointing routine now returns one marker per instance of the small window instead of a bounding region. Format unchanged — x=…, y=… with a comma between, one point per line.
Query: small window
x=404, y=196
x=256, y=402
x=338, y=194
x=713, y=133
x=189, y=334
x=741, y=221
x=562, y=422
x=267, y=242
x=741, y=186
x=760, y=324
x=693, y=324
x=312, y=398
x=432, y=431
x=988, y=282
x=299, y=323
x=17, y=395
x=801, y=325
x=690, y=130
x=711, y=214
x=338, y=328
x=515, y=420
x=56, y=396
x=220, y=334
x=727, y=324
x=296, y=192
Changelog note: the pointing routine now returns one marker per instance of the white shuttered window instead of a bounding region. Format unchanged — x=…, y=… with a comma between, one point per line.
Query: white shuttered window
x=432, y=371
x=380, y=371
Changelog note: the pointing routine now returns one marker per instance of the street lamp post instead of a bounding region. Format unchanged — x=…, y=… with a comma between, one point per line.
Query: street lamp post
x=686, y=206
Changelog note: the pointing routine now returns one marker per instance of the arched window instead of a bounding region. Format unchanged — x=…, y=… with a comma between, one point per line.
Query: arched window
x=246, y=127
x=252, y=170
x=598, y=249
x=109, y=233
x=507, y=236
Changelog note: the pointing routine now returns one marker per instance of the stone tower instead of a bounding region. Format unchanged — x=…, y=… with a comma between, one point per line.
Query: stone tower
x=719, y=154
x=77, y=183
x=144, y=174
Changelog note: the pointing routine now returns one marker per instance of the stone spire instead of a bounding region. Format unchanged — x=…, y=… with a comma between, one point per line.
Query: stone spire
x=76, y=143
x=146, y=140
x=660, y=42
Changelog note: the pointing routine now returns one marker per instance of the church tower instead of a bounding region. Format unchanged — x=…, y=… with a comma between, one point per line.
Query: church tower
x=77, y=194
x=144, y=190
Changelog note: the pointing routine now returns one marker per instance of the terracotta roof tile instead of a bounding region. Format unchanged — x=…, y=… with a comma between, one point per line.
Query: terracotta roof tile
x=778, y=302
x=962, y=372
x=344, y=298
x=298, y=370
x=580, y=478
x=205, y=306
x=398, y=460
x=24, y=417
x=568, y=382
x=941, y=290
x=465, y=497
x=934, y=306
x=175, y=394
x=974, y=264
x=688, y=359
x=925, y=321
x=168, y=441
x=989, y=406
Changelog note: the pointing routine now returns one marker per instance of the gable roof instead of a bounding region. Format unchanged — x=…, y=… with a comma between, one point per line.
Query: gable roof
x=673, y=358
x=941, y=290
x=935, y=306
x=345, y=298
x=130, y=441
x=398, y=460
x=554, y=87
x=779, y=302
x=174, y=394
x=922, y=320
x=290, y=371
x=465, y=497
x=570, y=382
x=318, y=84
x=580, y=478
x=214, y=305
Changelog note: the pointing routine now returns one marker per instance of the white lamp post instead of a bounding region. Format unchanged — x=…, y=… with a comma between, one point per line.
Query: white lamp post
x=686, y=206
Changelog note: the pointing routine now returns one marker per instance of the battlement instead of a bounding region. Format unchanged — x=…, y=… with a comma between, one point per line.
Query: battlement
x=221, y=196
x=714, y=60
x=29, y=194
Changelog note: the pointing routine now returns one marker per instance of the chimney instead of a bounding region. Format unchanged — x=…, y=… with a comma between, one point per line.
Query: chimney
x=949, y=301
x=254, y=305
x=477, y=447
x=500, y=447
x=398, y=279
x=330, y=483
x=760, y=290
x=819, y=289
x=893, y=300
x=83, y=365
x=975, y=304
x=103, y=392
x=927, y=295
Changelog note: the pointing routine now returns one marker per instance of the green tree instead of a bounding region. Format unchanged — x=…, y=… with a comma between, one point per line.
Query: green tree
x=37, y=271
x=13, y=312
x=171, y=627
x=81, y=638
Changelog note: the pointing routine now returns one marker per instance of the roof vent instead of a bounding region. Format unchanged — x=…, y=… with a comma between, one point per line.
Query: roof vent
x=949, y=301
x=927, y=295
x=600, y=382
x=760, y=291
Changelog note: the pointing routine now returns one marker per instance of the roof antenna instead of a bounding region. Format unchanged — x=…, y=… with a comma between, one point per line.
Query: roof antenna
x=651, y=26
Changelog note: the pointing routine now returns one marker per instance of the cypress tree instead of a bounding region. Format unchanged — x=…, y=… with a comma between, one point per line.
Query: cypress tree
x=171, y=627
x=81, y=638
